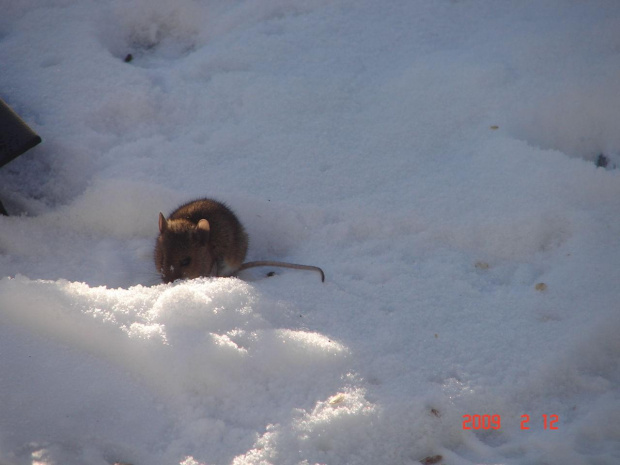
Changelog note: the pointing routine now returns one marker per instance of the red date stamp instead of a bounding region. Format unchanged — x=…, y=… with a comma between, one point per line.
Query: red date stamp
x=495, y=422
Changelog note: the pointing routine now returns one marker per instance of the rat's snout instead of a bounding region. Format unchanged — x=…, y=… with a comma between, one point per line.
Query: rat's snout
x=170, y=273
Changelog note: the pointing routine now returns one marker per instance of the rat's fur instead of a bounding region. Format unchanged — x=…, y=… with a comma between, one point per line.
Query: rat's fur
x=200, y=238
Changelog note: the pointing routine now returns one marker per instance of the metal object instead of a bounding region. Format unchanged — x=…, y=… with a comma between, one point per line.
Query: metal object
x=15, y=135
x=15, y=138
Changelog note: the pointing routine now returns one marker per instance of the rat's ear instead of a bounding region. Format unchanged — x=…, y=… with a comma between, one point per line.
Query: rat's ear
x=163, y=224
x=203, y=228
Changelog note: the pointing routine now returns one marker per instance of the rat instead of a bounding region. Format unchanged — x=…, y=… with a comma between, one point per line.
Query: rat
x=204, y=238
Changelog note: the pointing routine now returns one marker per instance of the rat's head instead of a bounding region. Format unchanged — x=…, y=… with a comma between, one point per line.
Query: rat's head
x=183, y=250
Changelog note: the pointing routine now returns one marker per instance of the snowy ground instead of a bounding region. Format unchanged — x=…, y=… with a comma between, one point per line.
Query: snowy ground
x=435, y=157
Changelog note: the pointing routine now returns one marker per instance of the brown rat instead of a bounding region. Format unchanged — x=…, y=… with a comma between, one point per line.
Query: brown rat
x=205, y=238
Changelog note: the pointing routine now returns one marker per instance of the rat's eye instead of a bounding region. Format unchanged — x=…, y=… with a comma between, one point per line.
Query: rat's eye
x=186, y=261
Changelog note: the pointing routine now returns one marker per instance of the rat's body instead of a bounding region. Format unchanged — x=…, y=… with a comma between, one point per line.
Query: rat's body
x=205, y=238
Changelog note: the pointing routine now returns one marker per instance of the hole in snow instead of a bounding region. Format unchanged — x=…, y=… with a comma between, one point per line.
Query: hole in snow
x=147, y=30
x=580, y=121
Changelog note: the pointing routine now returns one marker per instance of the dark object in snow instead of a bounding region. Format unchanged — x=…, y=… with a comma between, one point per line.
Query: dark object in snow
x=602, y=161
x=128, y=58
x=15, y=138
x=271, y=273
x=205, y=238
x=431, y=460
x=15, y=135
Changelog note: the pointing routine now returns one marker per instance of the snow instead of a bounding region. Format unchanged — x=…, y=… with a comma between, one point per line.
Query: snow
x=435, y=158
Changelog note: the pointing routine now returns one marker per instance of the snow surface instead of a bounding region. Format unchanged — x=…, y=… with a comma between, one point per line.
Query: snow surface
x=435, y=157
